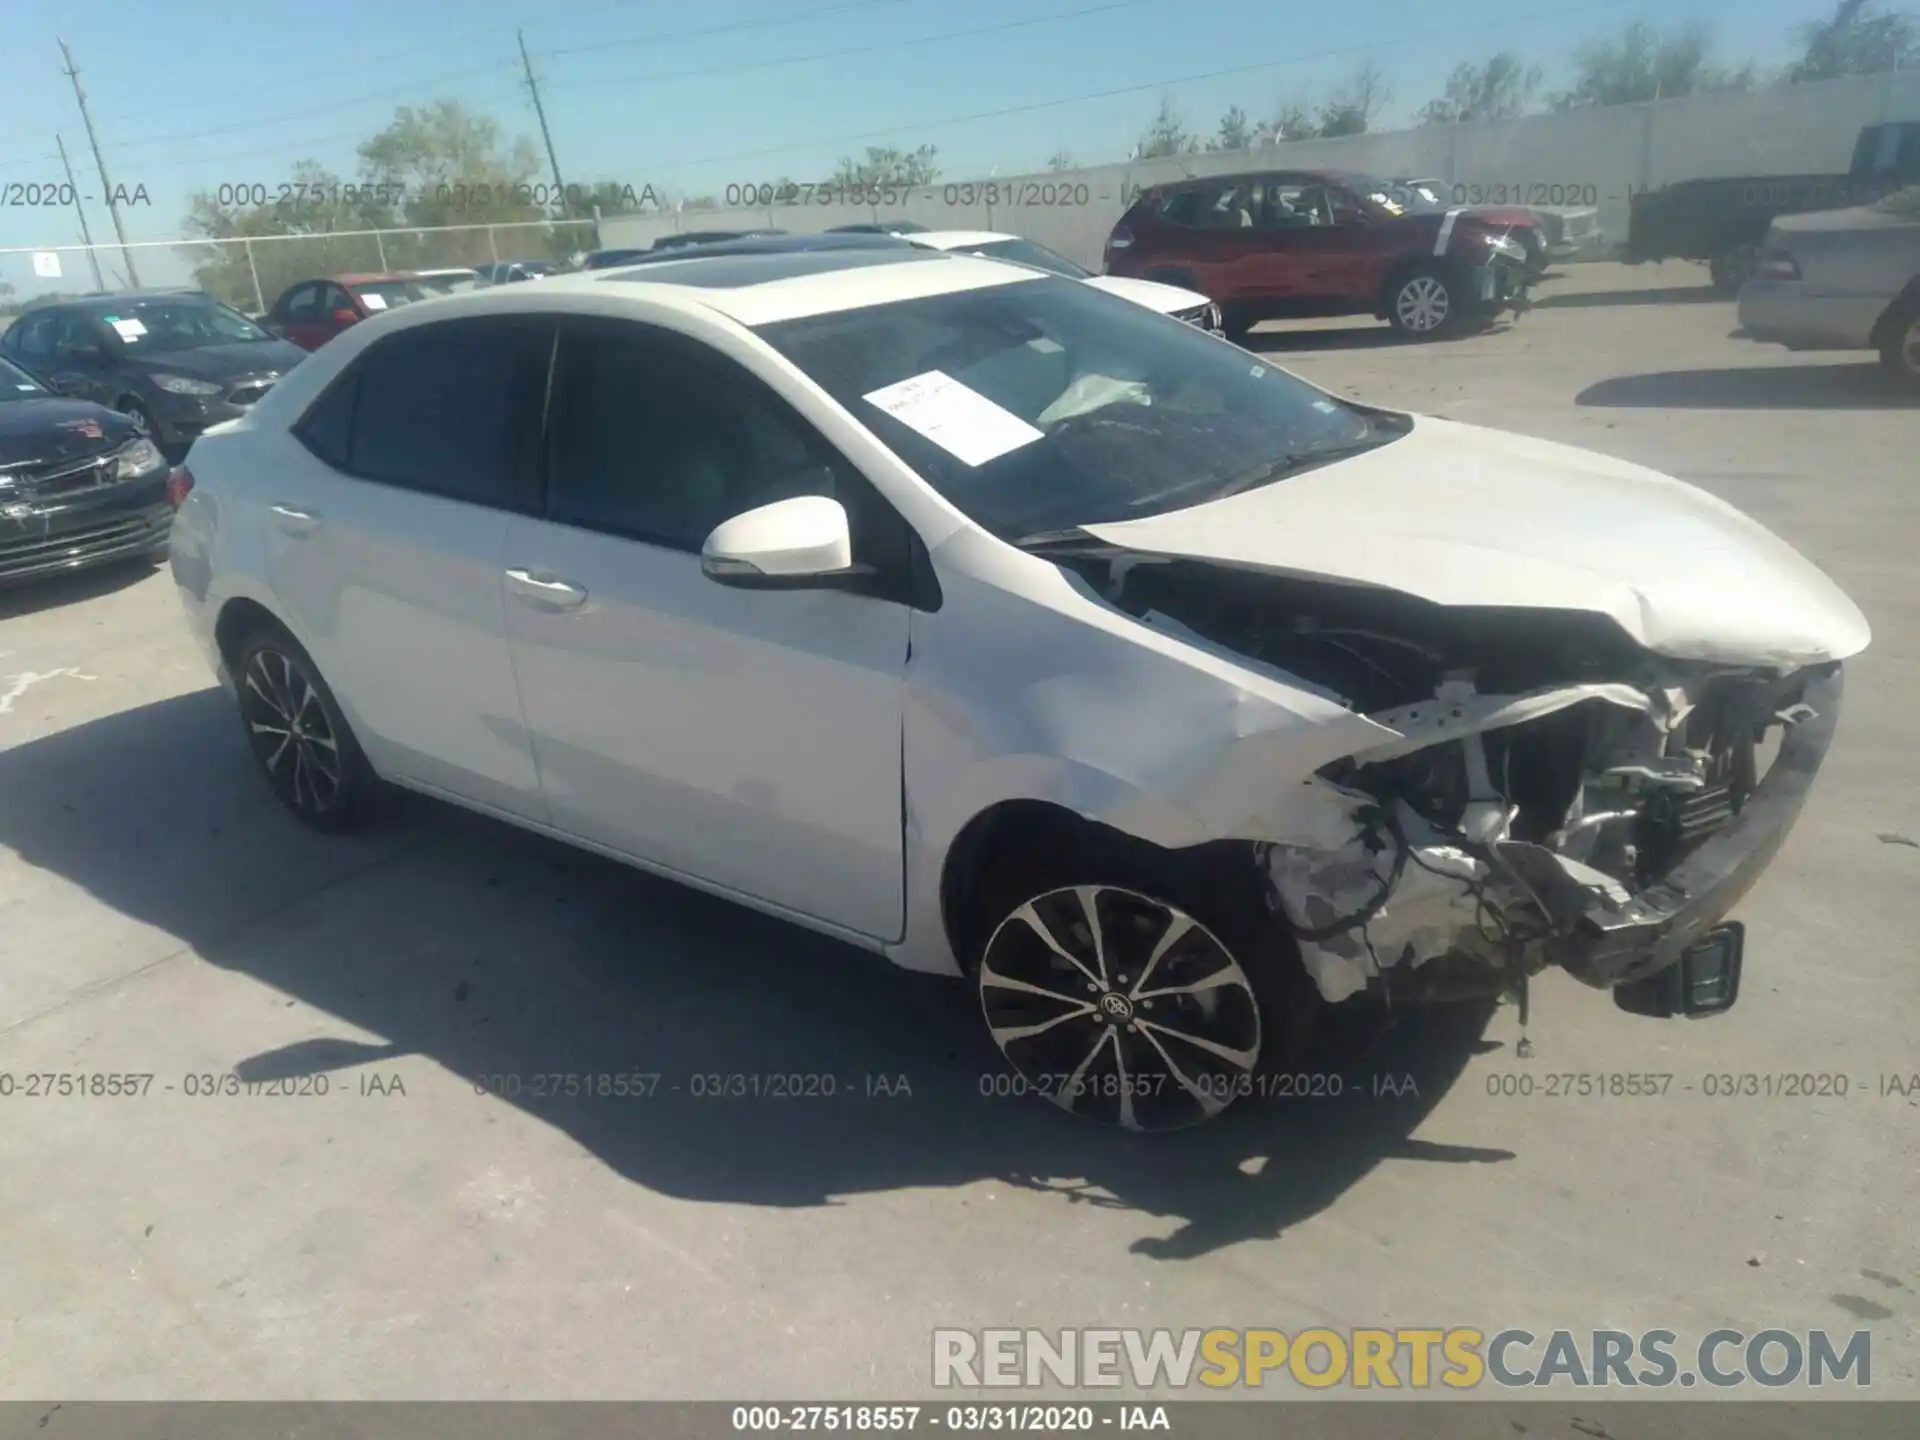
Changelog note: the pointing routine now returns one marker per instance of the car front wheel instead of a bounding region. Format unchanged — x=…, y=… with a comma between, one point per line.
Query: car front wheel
x=1900, y=349
x=1123, y=1001
x=1424, y=304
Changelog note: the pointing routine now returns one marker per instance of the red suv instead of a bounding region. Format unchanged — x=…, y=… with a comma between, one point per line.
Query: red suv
x=1308, y=243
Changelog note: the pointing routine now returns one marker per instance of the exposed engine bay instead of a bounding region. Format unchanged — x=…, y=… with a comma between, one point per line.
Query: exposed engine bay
x=1551, y=772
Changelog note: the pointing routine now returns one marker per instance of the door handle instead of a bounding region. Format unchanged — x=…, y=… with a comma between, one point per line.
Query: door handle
x=293, y=520
x=539, y=588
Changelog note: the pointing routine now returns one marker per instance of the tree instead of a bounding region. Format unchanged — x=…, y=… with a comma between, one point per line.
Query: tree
x=1496, y=89
x=1165, y=135
x=433, y=165
x=1642, y=64
x=1856, y=40
x=1061, y=160
x=1357, y=104
x=887, y=167
x=1291, y=120
x=1236, y=132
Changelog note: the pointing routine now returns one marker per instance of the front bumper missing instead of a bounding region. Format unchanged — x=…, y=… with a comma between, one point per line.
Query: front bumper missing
x=1612, y=945
x=1377, y=897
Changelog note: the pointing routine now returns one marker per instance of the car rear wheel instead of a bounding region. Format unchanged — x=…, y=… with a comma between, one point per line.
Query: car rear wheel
x=296, y=731
x=1124, y=1000
x=1732, y=266
x=1900, y=347
x=1424, y=303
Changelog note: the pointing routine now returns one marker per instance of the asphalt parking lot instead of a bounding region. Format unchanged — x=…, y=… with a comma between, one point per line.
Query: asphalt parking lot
x=413, y=1233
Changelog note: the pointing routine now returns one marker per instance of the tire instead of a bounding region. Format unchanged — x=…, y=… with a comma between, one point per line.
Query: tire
x=1236, y=324
x=1731, y=267
x=1900, y=346
x=298, y=735
x=1425, y=302
x=141, y=417
x=1071, y=1016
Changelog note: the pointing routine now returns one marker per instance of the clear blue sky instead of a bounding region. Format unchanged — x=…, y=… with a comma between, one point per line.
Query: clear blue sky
x=191, y=94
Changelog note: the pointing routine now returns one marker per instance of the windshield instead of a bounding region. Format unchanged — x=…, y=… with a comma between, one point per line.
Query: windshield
x=152, y=326
x=1025, y=252
x=17, y=384
x=1415, y=196
x=449, y=284
x=1042, y=405
x=394, y=292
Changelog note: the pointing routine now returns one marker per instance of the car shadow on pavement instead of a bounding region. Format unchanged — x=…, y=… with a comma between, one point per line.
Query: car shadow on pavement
x=502, y=957
x=91, y=584
x=1755, y=387
x=1664, y=295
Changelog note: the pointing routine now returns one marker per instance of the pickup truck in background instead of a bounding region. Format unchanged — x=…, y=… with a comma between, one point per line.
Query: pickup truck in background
x=1724, y=220
x=1842, y=280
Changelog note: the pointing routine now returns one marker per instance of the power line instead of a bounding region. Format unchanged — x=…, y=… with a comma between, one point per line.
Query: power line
x=113, y=208
x=847, y=6
x=706, y=70
x=1449, y=32
x=539, y=110
x=703, y=71
x=414, y=88
x=86, y=235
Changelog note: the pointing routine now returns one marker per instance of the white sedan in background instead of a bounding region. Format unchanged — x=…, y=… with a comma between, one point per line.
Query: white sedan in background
x=1011, y=632
x=1188, y=305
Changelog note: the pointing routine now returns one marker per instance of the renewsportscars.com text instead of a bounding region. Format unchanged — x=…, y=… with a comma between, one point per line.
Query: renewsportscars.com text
x=1459, y=1358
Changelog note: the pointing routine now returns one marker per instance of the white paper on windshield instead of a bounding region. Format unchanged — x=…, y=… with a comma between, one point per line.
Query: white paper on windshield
x=960, y=421
x=128, y=329
x=373, y=302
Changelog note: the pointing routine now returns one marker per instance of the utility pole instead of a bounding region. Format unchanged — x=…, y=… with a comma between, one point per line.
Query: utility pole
x=539, y=110
x=73, y=74
x=81, y=211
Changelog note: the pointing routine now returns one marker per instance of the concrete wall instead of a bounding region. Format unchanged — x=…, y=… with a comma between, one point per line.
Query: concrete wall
x=1602, y=153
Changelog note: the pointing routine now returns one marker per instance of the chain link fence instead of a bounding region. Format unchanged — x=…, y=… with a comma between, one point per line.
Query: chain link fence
x=250, y=273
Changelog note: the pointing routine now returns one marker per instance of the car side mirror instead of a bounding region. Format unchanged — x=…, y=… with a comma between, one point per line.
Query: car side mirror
x=66, y=384
x=801, y=543
x=345, y=317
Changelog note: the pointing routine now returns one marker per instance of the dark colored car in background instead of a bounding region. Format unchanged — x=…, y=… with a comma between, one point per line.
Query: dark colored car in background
x=1723, y=220
x=174, y=363
x=509, y=272
x=314, y=311
x=1282, y=245
x=608, y=259
x=79, y=485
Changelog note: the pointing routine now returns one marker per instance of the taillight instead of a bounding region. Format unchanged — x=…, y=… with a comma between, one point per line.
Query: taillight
x=1775, y=265
x=179, y=482
x=1121, y=238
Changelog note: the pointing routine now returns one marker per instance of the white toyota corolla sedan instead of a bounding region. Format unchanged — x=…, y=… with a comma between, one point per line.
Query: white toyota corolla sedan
x=1014, y=631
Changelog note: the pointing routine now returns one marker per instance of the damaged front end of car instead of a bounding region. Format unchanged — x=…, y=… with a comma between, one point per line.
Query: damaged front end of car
x=1556, y=795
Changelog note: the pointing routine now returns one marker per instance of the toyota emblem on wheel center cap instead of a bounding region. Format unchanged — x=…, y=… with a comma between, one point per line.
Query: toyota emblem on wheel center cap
x=1116, y=1007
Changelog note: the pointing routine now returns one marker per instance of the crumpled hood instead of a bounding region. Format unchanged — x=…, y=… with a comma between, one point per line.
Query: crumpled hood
x=1461, y=515
x=49, y=428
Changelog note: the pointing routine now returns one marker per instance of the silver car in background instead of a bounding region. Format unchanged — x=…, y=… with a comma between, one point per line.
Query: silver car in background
x=1842, y=280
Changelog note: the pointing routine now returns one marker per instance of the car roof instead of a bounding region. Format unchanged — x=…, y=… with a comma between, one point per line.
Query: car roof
x=761, y=289
x=777, y=245
x=369, y=279
x=125, y=297
x=956, y=239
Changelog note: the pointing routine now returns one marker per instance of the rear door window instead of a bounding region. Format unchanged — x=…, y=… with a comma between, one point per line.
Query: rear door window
x=452, y=409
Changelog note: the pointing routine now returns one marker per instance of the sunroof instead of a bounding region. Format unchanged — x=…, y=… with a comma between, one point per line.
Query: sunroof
x=731, y=272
